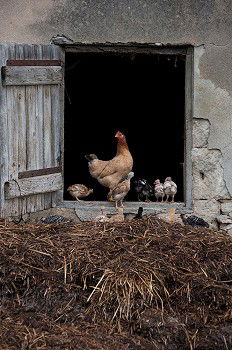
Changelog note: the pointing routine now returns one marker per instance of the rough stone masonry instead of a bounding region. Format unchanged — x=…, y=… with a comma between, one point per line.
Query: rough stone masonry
x=211, y=168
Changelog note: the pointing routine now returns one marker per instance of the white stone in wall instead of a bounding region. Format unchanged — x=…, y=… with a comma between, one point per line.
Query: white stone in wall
x=208, y=180
x=225, y=227
x=201, y=129
x=224, y=219
x=208, y=210
x=226, y=207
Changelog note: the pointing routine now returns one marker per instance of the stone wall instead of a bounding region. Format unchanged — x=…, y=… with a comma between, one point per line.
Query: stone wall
x=211, y=196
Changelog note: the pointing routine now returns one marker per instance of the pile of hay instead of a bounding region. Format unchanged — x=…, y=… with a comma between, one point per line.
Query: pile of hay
x=140, y=285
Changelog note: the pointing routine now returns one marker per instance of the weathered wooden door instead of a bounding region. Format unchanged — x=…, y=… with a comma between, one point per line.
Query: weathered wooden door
x=31, y=117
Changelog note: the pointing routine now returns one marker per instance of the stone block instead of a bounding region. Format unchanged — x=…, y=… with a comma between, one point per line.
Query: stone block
x=224, y=219
x=208, y=210
x=201, y=129
x=208, y=176
x=226, y=207
x=229, y=232
x=226, y=227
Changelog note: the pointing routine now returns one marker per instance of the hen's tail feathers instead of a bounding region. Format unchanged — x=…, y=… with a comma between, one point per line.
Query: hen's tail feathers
x=90, y=157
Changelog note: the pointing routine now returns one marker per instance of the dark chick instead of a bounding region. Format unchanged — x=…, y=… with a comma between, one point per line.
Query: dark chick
x=193, y=221
x=139, y=215
x=143, y=189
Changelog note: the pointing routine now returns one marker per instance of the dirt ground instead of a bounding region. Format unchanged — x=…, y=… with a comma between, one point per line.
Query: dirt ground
x=139, y=285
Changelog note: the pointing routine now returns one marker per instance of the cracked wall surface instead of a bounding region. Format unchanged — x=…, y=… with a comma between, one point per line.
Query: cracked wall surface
x=207, y=25
x=212, y=145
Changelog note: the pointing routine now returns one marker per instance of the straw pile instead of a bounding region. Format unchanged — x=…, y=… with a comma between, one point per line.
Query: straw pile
x=141, y=285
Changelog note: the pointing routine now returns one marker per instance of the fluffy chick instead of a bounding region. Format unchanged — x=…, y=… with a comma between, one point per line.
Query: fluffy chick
x=103, y=217
x=159, y=190
x=119, y=217
x=170, y=188
x=79, y=191
x=120, y=191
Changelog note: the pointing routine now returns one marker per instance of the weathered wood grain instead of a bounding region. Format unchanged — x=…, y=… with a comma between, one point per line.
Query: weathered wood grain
x=39, y=172
x=21, y=111
x=34, y=111
x=3, y=134
x=58, y=121
x=29, y=75
x=33, y=185
x=34, y=62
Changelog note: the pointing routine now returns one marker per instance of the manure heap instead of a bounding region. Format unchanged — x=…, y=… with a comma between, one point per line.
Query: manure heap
x=140, y=285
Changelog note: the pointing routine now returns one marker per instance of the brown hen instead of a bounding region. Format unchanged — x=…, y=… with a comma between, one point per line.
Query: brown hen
x=110, y=172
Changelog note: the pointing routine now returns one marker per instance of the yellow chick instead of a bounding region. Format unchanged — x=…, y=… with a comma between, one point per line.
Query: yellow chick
x=117, y=217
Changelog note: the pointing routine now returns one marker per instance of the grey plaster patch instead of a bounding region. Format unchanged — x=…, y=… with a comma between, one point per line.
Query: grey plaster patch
x=198, y=21
x=214, y=104
x=201, y=129
x=208, y=181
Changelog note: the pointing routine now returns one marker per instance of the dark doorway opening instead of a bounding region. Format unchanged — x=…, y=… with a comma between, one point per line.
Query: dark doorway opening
x=140, y=94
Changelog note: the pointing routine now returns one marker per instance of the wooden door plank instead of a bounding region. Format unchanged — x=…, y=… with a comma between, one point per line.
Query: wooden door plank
x=22, y=143
x=39, y=112
x=13, y=206
x=33, y=185
x=57, y=114
x=21, y=111
x=48, y=156
x=31, y=128
x=3, y=134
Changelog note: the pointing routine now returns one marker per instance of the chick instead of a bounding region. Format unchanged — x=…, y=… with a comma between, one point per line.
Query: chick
x=193, y=221
x=159, y=190
x=79, y=191
x=119, y=217
x=144, y=190
x=103, y=217
x=120, y=191
x=170, y=188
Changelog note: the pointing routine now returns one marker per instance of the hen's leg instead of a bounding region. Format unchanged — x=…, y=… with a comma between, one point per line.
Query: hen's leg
x=78, y=199
x=167, y=197
x=173, y=198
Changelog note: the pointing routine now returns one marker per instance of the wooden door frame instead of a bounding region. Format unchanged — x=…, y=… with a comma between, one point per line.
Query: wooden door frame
x=188, y=52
